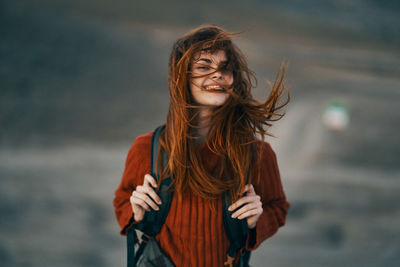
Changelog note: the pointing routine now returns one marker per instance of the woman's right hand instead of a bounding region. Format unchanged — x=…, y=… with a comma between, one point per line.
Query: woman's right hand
x=144, y=197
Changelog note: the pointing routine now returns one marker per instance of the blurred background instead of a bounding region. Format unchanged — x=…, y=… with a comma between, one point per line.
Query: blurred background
x=79, y=80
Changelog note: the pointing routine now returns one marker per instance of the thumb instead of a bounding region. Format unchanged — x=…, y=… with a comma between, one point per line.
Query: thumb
x=148, y=179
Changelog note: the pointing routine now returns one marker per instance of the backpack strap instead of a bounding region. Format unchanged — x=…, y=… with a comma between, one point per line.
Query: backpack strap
x=131, y=240
x=153, y=220
x=236, y=230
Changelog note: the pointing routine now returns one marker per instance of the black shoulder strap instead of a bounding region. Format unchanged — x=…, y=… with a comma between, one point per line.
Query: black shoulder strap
x=152, y=220
x=156, y=219
x=131, y=240
x=236, y=230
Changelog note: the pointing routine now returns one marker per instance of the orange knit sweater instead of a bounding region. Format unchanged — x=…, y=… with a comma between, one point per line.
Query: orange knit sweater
x=193, y=234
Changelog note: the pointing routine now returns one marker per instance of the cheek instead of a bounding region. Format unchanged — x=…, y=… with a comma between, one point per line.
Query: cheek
x=229, y=79
x=195, y=83
x=195, y=90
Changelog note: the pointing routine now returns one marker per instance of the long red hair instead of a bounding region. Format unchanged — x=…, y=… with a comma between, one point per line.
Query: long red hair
x=233, y=126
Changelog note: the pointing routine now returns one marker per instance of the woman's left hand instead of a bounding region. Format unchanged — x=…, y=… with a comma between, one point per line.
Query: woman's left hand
x=251, y=206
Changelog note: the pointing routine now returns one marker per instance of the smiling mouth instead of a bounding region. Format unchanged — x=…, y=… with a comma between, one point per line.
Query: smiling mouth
x=213, y=89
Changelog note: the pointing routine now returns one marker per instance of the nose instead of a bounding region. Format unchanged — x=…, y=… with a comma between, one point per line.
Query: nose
x=217, y=75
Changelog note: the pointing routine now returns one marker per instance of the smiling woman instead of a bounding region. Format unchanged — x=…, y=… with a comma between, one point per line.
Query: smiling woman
x=209, y=87
x=222, y=176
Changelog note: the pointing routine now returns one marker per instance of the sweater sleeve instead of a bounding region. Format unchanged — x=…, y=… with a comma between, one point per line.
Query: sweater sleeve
x=137, y=164
x=275, y=206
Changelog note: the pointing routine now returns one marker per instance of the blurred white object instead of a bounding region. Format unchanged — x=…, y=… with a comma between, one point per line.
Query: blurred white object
x=336, y=117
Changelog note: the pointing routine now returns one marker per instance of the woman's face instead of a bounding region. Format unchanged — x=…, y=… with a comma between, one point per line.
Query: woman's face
x=207, y=90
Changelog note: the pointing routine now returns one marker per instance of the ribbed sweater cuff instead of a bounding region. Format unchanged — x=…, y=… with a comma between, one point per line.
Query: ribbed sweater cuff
x=130, y=224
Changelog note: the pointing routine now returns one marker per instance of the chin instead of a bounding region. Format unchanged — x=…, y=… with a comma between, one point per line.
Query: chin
x=220, y=103
x=214, y=101
x=217, y=104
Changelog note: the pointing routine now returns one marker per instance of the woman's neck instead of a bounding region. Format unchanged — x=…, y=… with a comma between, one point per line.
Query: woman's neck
x=202, y=131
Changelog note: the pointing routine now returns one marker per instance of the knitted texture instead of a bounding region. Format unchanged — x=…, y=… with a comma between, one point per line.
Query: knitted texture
x=193, y=233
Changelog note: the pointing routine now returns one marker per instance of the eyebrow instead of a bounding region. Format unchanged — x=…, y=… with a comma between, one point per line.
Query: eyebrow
x=210, y=61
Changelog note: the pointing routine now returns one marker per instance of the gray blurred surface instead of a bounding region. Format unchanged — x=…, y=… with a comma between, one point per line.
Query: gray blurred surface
x=80, y=80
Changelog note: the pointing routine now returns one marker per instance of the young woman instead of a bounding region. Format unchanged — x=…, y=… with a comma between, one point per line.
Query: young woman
x=214, y=139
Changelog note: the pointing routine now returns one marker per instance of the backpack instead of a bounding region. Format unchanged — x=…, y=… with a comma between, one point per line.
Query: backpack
x=149, y=252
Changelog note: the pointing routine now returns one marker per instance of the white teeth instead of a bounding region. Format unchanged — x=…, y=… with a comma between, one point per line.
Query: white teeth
x=213, y=87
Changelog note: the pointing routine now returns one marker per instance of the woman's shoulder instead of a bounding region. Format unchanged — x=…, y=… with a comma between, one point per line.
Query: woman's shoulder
x=143, y=139
x=142, y=143
x=265, y=153
x=265, y=147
